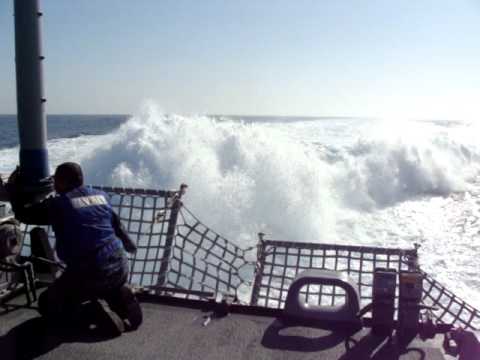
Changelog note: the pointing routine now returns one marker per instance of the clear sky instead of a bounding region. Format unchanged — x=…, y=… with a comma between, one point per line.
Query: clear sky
x=397, y=58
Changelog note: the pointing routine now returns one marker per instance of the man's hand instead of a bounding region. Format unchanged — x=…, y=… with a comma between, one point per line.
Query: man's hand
x=129, y=246
x=14, y=177
x=122, y=234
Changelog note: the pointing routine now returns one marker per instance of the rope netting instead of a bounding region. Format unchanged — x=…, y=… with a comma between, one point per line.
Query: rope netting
x=175, y=250
x=146, y=215
x=451, y=309
x=202, y=260
x=279, y=262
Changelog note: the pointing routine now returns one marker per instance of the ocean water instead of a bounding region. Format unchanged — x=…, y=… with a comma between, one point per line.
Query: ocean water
x=390, y=182
x=62, y=127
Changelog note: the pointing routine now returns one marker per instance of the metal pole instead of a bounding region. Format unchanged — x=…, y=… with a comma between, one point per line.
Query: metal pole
x=32, y=126
x=259, y=268
x=170, y=238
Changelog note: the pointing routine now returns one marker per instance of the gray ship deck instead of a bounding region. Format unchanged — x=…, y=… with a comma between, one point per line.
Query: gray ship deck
x=175, y=330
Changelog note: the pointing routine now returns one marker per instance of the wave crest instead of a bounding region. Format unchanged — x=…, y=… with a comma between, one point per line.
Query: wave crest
x=380, y=174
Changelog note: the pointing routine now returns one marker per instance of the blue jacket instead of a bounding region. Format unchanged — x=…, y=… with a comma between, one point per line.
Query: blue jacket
x=87, y=230
x=83, y=226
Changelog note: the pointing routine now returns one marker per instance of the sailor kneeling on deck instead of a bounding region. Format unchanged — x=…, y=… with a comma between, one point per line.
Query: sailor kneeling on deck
x=91, y=241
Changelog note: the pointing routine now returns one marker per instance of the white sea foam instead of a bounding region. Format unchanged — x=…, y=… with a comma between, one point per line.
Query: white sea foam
x=289, y=180
x=242, y=178
x=377, y=174
x=349, y=181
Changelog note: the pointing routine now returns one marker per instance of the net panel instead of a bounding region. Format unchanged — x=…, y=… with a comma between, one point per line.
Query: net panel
x=145, y=215
x=203, y=260
x=176, y=250
x=280, y=262
x=451, y=309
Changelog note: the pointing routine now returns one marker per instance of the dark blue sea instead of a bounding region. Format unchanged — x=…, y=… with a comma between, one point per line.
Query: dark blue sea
x=62, y=126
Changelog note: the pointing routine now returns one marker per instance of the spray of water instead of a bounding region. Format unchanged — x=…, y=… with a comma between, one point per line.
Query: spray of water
x=302, y=181
x=243, y=178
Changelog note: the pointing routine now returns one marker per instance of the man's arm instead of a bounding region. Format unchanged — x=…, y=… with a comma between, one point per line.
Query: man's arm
x=37, y=213
x=122, y=234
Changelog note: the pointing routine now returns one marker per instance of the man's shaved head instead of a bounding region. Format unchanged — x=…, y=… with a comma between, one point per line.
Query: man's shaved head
x=68, y=176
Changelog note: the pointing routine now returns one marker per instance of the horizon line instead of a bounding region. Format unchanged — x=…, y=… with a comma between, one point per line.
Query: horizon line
x=257, y=116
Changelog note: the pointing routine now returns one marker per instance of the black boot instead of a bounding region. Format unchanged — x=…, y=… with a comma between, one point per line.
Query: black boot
x=108, y=322
x=125, y=304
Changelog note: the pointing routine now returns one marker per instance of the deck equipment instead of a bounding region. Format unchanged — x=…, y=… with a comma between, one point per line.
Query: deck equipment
x=179, y=255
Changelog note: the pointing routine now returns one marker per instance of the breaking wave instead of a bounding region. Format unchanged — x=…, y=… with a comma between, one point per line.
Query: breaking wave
x=377, y=174
x=351, y=181
x=243, y=179
x=251, y=177
x=284, y=180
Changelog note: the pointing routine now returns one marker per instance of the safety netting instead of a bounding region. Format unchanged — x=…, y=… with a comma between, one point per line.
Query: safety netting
x=179, y=255
x=175, y=251
x=279, y=262
x=203, y=260
x=450, y=308
x=148, y=216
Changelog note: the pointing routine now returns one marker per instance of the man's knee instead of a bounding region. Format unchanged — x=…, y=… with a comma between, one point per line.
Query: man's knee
x=58, y=299
x=48, y=304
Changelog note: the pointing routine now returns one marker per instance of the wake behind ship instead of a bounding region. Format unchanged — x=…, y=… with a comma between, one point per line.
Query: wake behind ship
x=206, y=296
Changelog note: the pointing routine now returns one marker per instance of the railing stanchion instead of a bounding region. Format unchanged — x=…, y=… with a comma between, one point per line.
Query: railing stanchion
x=169, y=240
x=258, y=270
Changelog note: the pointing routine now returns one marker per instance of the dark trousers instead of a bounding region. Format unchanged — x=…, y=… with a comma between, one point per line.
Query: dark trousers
x=63, y=299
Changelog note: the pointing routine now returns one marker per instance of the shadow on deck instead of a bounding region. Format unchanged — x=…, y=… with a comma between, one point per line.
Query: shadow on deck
x=178, y=331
